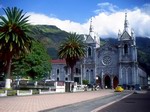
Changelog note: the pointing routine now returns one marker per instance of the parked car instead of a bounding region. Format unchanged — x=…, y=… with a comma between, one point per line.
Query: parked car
x=119, y=89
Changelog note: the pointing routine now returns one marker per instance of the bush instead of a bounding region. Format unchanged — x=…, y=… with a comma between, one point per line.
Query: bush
x=2, y=91
x=85, y=82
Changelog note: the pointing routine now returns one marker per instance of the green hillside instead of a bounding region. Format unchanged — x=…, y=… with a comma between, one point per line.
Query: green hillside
x=50, y=36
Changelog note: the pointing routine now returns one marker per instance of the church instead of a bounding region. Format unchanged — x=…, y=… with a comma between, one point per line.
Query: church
x=106, y=65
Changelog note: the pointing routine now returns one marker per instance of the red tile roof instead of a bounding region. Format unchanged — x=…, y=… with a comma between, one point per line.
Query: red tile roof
x=58, y=61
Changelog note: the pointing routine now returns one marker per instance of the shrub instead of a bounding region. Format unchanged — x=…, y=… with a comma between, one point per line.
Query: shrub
x=2, y=91
x=85, y=82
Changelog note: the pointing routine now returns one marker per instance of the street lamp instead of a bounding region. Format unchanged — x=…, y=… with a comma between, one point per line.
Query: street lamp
x=96, y=79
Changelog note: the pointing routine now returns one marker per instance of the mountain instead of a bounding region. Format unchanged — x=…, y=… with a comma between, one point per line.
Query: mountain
x=51, y=36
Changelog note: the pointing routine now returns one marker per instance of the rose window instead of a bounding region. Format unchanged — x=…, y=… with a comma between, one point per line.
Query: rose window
x=106, y=60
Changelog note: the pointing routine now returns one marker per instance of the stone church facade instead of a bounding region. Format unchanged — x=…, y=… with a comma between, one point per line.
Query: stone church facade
x=106, y=65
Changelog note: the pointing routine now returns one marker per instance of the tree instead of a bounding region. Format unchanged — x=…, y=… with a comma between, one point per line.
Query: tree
x=35, y=64
x=14, y=37
x=72, y=50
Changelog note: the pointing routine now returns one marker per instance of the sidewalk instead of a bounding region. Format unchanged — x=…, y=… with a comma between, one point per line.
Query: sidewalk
x=37, y=103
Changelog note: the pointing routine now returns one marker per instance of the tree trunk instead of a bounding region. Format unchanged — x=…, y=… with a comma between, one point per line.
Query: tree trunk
x=72, y=75
x=8, y=79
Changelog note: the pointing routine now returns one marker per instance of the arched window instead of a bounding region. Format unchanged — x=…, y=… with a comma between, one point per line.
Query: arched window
x=66, y=78
x=89, y=51
x=124, y=75
x=125, y=48
x=57, y=71
x=57, y=78
x=129, y=76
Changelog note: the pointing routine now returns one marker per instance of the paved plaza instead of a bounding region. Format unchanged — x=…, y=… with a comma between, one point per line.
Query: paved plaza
x=37, y=103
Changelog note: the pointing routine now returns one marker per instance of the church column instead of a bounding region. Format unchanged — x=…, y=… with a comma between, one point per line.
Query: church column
x=112, y=85
x=134, y=75
x=84, y=72
x=81, y=75
x=102, y=79
x=120, y=74
x=127, y=77
x=95, y=71
x=135, y=54
x=137, y=74
x=89, y=76
x=120, y=53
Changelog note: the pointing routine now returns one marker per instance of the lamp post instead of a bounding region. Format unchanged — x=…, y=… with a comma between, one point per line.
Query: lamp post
x=96, y=79
x=102, y=80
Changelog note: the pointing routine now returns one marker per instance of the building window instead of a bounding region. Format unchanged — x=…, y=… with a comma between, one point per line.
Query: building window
x=66, y=69
x=78, y=71
x=89, y=51
x=57, y=78
x=66, y=78
x=126, y=49
x=57, y=71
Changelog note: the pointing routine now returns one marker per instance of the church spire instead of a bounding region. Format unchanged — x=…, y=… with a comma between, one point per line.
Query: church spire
x=91, y=31
x=91, y=26
x=126, y=24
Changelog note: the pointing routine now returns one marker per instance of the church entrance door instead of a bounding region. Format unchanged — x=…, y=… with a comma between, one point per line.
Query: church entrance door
x=107, y=82
x=115, y=82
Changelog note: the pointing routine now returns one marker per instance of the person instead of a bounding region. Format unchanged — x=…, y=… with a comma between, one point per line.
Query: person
x=72, y=87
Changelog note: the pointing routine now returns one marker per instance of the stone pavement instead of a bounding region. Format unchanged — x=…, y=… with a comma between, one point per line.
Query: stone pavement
x=37, y=103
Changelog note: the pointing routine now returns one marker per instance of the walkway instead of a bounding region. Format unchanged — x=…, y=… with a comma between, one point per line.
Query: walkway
x=93, y=105
x=37, y=103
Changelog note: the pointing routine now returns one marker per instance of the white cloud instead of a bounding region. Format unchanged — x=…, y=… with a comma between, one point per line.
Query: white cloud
x=106, y=23
x=106, y=7
x=66, y=25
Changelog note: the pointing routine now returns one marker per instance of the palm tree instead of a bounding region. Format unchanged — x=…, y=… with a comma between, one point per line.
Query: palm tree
x=72, y=50
x=14, y=37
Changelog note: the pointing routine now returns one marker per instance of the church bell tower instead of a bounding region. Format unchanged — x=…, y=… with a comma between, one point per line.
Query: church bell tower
x=92, y=42
x=128, y=66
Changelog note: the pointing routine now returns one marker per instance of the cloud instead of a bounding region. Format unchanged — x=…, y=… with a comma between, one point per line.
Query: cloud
x=66, y=25
x=106, y=22
x=146, y=9
x=106, y=7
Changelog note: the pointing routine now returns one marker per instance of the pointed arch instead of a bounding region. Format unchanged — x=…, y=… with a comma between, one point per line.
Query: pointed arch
x=115, y=82
x=107, y=81
x=129, y=72
x=89, y=51
x=123, y=75
x=125, y=49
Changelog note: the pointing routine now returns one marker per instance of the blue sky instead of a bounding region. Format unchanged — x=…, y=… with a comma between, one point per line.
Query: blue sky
x=75, y=15
x=75, y=10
